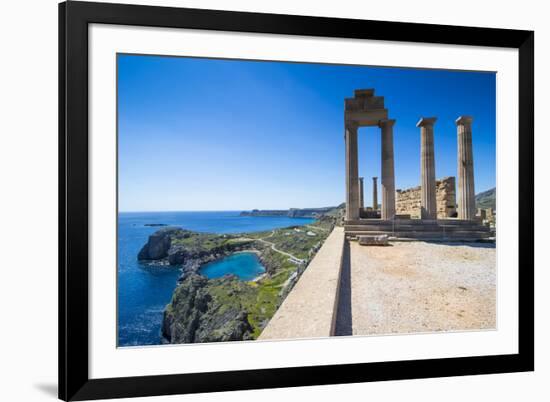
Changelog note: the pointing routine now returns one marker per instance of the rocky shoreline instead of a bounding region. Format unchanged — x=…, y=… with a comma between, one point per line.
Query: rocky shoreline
x=164, y=247
x=195, y=314
x=228, y=308
x=202, y=309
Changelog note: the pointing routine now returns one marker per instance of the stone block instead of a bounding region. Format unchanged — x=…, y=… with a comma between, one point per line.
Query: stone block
x=381, y=240
x=408, y=201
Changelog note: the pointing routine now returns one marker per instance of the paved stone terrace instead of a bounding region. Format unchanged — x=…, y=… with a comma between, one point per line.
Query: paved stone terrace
x=417, y=287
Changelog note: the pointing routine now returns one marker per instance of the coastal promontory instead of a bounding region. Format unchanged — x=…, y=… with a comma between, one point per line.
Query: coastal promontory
x=229, y=308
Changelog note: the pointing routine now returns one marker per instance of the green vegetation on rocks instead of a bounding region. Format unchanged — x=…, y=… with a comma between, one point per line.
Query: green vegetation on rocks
x=175, y=246
x=487, y=199
x=227, y=308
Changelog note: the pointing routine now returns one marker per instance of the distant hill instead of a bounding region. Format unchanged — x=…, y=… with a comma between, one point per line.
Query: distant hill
x=487, y=199
x=292, y=212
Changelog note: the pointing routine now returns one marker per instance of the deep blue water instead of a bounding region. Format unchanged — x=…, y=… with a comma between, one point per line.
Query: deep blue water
x=246, y=266
x=144, y=290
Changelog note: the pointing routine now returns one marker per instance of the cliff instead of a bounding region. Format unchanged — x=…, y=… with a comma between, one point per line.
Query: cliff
x=198, y=313
x=175, y=246
x=227, y=308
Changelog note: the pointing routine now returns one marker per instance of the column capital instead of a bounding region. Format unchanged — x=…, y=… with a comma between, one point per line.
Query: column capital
x=386, y=123
x=464, y=120
x=351, y=124
x=426, y=121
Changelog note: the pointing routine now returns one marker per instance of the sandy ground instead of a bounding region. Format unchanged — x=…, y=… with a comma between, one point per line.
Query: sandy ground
x=421, y=287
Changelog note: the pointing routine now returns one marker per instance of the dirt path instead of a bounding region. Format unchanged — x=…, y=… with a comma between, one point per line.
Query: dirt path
x=299, y=260
x=420, y=287
x=272, y=245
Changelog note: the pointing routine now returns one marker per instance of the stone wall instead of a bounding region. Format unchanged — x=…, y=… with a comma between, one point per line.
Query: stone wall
x=408, y=201
x=309, y=310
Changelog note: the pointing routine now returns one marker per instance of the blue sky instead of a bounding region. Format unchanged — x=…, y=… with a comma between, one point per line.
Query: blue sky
x=203, y=134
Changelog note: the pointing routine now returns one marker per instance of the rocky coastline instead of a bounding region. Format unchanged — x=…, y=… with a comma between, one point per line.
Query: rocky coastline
x=228, y=308
x=168, y=246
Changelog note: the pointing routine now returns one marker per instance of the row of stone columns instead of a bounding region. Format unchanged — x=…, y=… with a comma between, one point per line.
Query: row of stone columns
x=374, y=193
x=354, y=184
x=466, y=193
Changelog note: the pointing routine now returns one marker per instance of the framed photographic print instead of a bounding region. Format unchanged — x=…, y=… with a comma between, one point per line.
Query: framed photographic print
x=257, y=200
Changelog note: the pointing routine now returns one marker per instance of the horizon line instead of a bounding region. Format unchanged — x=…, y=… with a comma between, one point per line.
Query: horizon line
x=225, y=210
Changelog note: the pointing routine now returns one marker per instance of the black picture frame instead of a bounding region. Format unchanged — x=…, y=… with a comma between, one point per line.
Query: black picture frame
x=74, y=18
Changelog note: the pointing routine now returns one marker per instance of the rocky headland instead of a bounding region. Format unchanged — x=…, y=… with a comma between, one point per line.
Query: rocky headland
x=228, y=308
x=188, y=249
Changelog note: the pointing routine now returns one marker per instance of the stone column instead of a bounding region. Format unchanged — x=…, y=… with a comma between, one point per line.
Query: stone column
x=466, y=194
x=388, y=175
x=361, y=194
x=428, y=202
x=375, y=193
x=352, y=173
x=482, y=214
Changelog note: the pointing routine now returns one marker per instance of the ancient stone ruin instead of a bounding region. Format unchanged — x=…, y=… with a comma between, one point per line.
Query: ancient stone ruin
x=401, y=214
x=408, y=201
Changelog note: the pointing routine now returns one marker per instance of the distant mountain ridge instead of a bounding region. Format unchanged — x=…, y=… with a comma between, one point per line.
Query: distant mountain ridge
x=484, y=200
x=291, y=213
x=487, y=199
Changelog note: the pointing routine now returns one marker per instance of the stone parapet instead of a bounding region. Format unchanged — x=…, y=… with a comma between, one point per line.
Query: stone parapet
x=309, y=310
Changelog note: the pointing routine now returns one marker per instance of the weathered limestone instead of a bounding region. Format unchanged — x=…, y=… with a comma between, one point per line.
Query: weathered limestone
x=388, y=175
x=352, y=173
x=482, y=213
x=375, y=193
x=428, y=204
x=466, y=192
x=361, y=193
x=433, y=201
x=445, y=194
x=408, y=200
x=381, y=240
x=363, y=110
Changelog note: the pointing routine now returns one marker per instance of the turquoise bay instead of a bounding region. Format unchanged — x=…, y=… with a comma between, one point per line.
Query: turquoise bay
x=246, y=266
x=144, y=289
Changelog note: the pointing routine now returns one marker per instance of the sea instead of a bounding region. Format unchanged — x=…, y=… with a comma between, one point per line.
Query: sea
x=144, y=290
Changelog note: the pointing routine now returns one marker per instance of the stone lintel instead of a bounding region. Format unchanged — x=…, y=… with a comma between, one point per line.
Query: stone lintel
x=374, y=102
x=426, y=121
x=464, y=120
x=370, y=118
x=364, y=93
x=364, y=104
